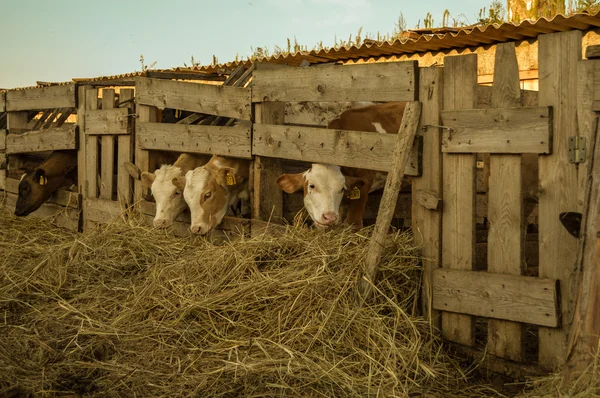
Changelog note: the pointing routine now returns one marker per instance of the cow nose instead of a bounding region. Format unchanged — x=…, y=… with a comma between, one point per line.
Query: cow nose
x=162, y=223
x=329, y=217
x=197, y=229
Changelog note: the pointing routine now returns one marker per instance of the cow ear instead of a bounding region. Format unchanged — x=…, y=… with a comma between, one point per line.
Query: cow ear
x=132, y=170
x=148, y=178
x=40, y=177
x=290, y=183
x=179, y=182
x=354, y=182
x=227, y=176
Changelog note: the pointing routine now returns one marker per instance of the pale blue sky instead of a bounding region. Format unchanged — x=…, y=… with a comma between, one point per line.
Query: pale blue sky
x=57, y=40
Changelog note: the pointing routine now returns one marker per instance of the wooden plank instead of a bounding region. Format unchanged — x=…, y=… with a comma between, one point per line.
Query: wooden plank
x=484, y=97
x=458, y=170
x=2, y=101
x=508, y=297
x=64, y=217
x=61, y=197
x=125, y=151
x=219, y=140
x=389, y=81
x=427, y=224
x=266, y=196
x=82, y=95
x=506, y=236
x=52, y=139
x=503, y=130
x=203, y=98
x=404, y=141
x=50, y=97
x=101, y=210
x=91, y=156
x=558, y=179
x=523, y=75
x=107, y=121
x=345, y=148
x=3, y=139
x=317, y=113
x=584, y=335
x=3, y=179
x=107, y=160
x=142, y=158
x=592, y=52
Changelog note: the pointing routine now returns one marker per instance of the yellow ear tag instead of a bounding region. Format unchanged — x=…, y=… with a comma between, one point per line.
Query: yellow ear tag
x=354, y=194
x=43, y=180
x=230, y=179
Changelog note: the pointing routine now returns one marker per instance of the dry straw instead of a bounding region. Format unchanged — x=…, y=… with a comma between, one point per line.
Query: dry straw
x=127, y=311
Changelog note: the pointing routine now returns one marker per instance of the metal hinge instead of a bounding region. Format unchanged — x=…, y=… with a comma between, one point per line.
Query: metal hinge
x=576, y=149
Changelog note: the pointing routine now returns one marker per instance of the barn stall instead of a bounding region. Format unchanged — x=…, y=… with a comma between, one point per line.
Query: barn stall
x=521, y=323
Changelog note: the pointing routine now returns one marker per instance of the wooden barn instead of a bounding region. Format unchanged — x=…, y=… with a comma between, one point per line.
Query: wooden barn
x=505, y=154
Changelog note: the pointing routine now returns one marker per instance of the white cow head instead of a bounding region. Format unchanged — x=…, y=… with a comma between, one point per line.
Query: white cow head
x=324, y=188
x=169, y=198
x=206, y=192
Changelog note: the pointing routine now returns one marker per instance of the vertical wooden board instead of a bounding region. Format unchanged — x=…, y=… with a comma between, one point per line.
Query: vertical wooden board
x=558, y=56
x=142, y=159
x=586, y=117
x=426, y=223
x=2, y=101
x=91, y=161
x=505, y=209
x=267, y=198
x=124, y=151
x=458, y=171
x=108, y=150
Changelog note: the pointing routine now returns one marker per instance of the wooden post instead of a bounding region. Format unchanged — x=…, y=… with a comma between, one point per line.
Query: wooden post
x=458, y=217
x=142, y=159
x=108, y=150
x=584, y=335
x=427, y=223
x=16, y=123
x=505, y=207
x=559, y=54
x=267, y=197
x=404, y=143
x=125, y=150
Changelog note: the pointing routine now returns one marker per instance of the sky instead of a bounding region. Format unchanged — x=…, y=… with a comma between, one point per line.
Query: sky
x=43, y=40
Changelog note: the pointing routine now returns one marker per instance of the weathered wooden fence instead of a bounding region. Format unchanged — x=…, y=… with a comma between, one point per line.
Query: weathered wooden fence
x=36, y=125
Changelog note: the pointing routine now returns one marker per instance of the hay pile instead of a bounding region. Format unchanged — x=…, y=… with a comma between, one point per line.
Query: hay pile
x=127, y=311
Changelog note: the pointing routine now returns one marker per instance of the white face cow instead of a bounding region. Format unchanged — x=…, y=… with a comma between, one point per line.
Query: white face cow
x=169, y=198
x=324, y=188
x=207, y=192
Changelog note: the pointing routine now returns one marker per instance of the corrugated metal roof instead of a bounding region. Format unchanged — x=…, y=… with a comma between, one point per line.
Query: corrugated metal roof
x=427, y=40
x=454, y=38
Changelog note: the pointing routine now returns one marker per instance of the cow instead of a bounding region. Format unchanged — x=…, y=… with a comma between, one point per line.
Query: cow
x=326, y=185
x=211, y=190
x=57, y=170
x=168, y=197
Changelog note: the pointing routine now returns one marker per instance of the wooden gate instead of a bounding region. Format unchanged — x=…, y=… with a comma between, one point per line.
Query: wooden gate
x=501, y=311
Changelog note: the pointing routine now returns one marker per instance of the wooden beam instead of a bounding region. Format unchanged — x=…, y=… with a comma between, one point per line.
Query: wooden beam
x=267, y=197
x=50, y=97
x=125, y=150
x=484, y=97
x=107, y=121
x=458, y=221
x=2, y=101
x=390, y=81
x=107, y=160
x=186, y=76
x=88, y=146
x=203, y=98
x=142, y=158
x=592, y=52
x=508, y=297
x=558, y=180
x=506, y=236
x=498, y=130
x=43, y=140
x=400, y=155
x=345, y=148
x=226, y=141
x=3, y=134
x=523, y=75
x=427, y=224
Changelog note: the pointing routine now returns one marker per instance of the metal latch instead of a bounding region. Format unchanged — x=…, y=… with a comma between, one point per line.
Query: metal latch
x=577, y=149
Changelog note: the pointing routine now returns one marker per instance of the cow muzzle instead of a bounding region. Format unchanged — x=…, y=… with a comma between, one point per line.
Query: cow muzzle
x=162, y=223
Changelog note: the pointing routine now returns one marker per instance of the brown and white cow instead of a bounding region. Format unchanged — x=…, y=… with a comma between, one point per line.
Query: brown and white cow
x=326, y=185
x=57, y=170
x=211, y=190
x=168, y=197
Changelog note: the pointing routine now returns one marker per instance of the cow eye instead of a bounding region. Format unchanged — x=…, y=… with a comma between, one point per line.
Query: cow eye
x=311, y=186
x=177, y=192
x=207, y=195
x=343, y=189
